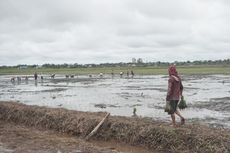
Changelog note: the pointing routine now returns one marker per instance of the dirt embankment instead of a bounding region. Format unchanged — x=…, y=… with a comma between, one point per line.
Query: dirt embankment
x=16, y=138
x=135, y=131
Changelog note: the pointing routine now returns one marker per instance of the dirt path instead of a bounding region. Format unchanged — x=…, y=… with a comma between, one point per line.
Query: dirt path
x=20, y=139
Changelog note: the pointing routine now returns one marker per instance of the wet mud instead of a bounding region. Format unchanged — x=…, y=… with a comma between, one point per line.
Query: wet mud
x=216, y=104
x=206, y=95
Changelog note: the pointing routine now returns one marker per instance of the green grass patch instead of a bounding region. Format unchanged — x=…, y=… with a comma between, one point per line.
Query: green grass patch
x=108, y=70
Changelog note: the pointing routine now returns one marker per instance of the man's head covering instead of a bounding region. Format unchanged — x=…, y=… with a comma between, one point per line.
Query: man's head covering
x=172, y=70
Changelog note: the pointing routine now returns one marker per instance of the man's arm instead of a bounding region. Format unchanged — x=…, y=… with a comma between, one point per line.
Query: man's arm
x=169, y=89
x=181, y=88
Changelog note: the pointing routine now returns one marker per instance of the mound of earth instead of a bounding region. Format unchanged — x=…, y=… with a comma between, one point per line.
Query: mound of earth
x=145, y=132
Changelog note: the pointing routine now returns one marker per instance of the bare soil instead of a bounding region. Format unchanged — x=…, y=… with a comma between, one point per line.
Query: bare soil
x=21, y=139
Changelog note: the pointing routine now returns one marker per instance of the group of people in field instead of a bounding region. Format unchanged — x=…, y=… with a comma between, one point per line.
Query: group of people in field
x=52, y=76
x=19, y=78
x=121, y=74
x=26, y=78
x=128, y=73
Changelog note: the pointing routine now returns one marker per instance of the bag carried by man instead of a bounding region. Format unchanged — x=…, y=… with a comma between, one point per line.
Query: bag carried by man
x=182, y=104
x=168, y=107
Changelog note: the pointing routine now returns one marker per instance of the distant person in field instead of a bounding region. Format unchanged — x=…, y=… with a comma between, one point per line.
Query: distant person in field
x=26, y=79
x=52, y=76
x=35, y=76
x=121, y=74
x=12, y=79
x=101, y=75
x=175, y=89
x=132, y=73
x=112, y=73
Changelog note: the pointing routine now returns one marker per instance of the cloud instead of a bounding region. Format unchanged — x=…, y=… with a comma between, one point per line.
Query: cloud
x=97, y=31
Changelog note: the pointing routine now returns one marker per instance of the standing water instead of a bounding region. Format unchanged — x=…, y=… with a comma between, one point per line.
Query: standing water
x=207, y=96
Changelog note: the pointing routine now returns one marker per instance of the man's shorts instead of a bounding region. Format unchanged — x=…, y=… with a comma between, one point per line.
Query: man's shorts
x=173, y=104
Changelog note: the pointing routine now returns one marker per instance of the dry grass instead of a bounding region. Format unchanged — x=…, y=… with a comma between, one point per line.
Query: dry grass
x=136, y=131
x=61, y=120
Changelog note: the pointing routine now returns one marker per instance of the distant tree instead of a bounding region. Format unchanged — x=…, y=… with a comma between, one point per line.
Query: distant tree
x=139, y=60
x=134, y=60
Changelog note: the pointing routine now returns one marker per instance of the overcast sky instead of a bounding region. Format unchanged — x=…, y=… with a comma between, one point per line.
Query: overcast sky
x=99, y=31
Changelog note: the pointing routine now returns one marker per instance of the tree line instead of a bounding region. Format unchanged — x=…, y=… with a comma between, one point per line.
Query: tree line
x=225, y=62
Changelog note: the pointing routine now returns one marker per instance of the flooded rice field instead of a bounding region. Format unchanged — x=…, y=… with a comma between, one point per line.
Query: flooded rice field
x=207, y=96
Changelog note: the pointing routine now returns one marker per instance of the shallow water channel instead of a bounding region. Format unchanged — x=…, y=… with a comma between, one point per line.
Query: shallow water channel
x=207, y=96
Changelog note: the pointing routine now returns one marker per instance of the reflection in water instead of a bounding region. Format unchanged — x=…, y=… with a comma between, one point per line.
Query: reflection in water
x=13, y=82
x=36, y=83
x=41, y=82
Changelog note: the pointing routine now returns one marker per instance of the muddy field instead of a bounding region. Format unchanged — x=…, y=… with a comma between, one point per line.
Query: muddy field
x=206, y=95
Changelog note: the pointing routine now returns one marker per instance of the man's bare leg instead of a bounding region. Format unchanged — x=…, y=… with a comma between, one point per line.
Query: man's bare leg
x=181, y=117
x=173, y=120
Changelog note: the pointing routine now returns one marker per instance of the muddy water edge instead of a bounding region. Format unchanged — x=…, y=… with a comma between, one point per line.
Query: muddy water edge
x=206, y=95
